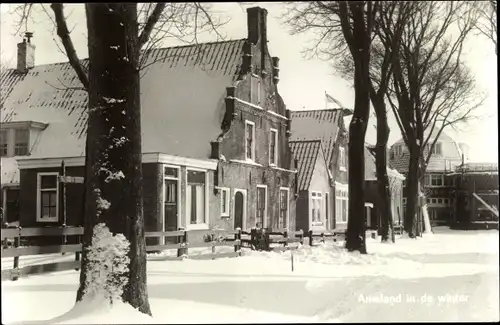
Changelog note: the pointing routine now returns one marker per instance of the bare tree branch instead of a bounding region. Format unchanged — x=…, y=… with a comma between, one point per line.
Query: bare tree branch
x=64, y=34
x=151, y=22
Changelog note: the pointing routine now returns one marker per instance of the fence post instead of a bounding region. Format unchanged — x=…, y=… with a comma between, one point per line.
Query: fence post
x=285, y=235
x=253, y=236
x=183, y=240
x=17, y=243
x=77, y=254
x=310, y=237
x=322, y=238
x=301, y=236
x=64, y=236
x=237, y=248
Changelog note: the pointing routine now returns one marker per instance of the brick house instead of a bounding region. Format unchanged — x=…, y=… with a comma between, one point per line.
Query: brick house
x=319, y=143
x=446, y=156
x=215, y=136
x=372, y=193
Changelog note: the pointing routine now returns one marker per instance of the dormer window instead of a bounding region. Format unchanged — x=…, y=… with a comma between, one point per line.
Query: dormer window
x=436, y=150
x=3, y=143
x=16, y=138
x=21, y=142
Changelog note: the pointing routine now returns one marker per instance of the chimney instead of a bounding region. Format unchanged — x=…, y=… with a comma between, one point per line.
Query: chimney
x=25, y=54
x=256, y=24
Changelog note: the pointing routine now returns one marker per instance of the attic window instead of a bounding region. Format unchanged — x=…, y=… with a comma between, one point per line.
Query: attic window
x=3, y=143
x=21, y=142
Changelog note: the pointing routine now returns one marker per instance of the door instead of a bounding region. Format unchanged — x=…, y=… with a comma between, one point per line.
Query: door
x=171, y=205
x=238, y=210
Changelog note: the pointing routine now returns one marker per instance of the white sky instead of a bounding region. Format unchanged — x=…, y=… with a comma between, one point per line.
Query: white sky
x=302, y=82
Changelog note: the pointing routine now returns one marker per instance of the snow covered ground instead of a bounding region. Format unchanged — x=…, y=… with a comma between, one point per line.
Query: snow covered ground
x=448, y=276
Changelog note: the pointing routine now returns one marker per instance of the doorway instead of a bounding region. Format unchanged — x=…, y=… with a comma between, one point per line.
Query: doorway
x=240, y=209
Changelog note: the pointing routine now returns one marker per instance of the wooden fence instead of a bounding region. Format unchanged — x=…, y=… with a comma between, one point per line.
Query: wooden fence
x=262, y=239
x=18, y=235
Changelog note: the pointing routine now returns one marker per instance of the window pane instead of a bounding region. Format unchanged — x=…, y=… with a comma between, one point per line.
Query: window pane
x=223, y=203
x=170, y=192
x=45, y=199
x=249, y=140
x=171, y=172
x=46, y=212
x=192, y=214
x=200, y=204
x=195, y=177
x=48, y=181
x=21, y=135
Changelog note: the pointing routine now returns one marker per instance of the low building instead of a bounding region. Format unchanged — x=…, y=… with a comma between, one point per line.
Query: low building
x=447, y=154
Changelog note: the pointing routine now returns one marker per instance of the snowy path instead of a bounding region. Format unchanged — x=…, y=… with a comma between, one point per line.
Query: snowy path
x=328, y=285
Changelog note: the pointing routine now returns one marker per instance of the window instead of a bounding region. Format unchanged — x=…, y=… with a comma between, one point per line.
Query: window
x=249, y=140
x=47, y=197
x=327, y=210
x=284, y=208
x=258, y=92
x=172, y=198
x=316, y=200
x=436, y=150
x=436, y=180
x=260, y=220
x=273, y=147
x=341, y=205
x=196, y=197
x=3, y=143
x=21, y=142
x=342, y=159
x=224, y=201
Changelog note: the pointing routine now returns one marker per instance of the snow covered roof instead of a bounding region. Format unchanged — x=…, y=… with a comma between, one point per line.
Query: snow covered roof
x=371, y=167
x=317, y=125
x=306, y=152
x=10, y=171
x=181, y=87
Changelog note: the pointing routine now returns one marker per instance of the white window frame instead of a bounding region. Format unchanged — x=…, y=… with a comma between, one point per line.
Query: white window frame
x=204, y=225
x=18, y=145
x=435, y=176
x=252, y=155
x=264, y=217
x=4, y=135
x=341, y=188
x=245, y=202
x=39, y=191
x=287, y=205
x=318, y=196
x=228, y=200
x=435, y=151
x=343, y=160
x=275, y=162
x=179, y=196
x=326, y=195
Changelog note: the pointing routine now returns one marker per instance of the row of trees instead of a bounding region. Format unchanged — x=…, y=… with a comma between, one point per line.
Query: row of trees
x=407, y=56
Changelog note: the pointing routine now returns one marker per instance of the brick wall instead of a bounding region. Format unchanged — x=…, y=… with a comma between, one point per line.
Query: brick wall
x=236, y=175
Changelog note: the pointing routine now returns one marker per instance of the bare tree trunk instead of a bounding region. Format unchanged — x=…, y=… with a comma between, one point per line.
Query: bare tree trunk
x=412, y=195
x=113, y=189
x=384, y=191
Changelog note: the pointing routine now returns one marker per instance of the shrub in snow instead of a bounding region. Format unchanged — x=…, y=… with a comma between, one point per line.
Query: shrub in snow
x=108, y=264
